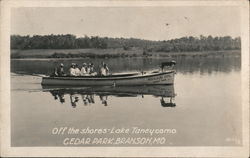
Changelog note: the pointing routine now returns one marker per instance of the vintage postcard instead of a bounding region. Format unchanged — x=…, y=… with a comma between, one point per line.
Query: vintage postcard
x=124, y=78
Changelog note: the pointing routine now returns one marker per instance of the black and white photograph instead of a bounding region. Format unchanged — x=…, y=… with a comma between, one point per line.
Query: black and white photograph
x=136, y=75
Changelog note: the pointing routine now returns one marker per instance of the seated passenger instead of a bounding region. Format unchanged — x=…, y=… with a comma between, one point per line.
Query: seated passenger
x=77, y=70
x=72, y=70
x=88, y=68
x=104, y=70
x=83, y=70
x=91, y=70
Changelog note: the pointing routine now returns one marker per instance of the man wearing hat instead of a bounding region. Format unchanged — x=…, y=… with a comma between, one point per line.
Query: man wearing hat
x=59, y=71
x=72, y=70
x=104, y=70
x=91, y=70
x=77, y=70
x=84, y=69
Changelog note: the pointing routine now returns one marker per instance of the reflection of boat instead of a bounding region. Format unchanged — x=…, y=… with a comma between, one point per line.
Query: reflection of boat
x=155, y=90
x=149, y=78
x=87, y=93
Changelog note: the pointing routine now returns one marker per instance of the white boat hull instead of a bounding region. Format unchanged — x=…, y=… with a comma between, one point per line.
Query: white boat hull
x=139, y=79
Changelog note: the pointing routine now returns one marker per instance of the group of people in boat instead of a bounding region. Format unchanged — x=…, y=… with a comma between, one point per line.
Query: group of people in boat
x=84, y=70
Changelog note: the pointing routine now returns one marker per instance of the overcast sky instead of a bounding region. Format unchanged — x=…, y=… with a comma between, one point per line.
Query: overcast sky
x=153, y=23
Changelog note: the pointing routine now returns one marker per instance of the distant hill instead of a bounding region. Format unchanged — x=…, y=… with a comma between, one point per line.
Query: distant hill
x=68, y=41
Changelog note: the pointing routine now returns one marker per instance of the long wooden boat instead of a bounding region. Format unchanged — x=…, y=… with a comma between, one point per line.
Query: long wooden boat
x=145, y=78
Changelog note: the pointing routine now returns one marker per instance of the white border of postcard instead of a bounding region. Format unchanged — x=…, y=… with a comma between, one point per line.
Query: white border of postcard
x=201, y=151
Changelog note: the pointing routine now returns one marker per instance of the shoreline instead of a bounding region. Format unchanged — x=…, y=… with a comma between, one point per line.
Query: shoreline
x=64, y=54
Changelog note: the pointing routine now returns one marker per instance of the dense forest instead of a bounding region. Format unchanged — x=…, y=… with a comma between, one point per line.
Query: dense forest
x=202, y=43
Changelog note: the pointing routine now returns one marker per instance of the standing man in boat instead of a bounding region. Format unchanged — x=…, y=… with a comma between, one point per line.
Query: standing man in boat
x=169, y=65
x=59, y=71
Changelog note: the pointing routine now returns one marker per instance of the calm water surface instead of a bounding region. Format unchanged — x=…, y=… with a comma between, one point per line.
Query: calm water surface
x=202, y=108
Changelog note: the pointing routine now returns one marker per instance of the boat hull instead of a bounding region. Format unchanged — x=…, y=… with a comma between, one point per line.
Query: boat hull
x=140, y=79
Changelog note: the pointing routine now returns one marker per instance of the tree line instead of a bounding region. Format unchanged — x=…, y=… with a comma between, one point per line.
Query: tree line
x=68, y=41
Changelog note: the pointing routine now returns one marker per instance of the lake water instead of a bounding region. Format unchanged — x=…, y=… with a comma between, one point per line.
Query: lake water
x=202, y=108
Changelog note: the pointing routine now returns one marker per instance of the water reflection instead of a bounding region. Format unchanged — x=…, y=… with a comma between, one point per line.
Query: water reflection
x=89, y=95
x=167, y=104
